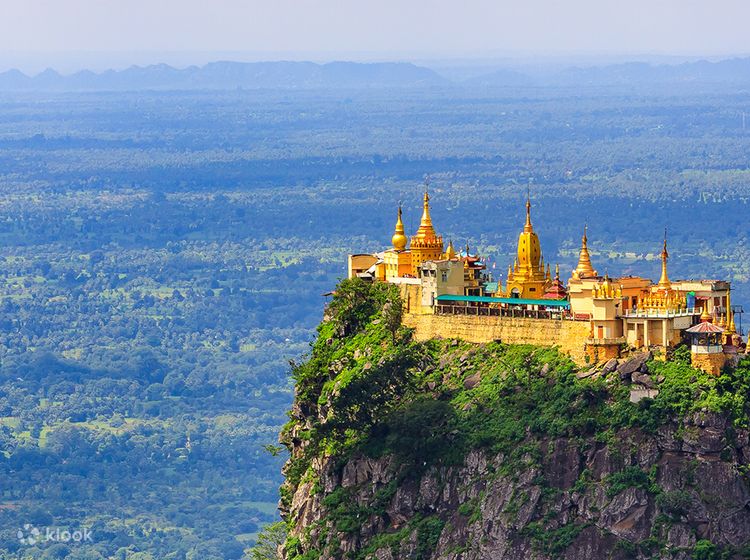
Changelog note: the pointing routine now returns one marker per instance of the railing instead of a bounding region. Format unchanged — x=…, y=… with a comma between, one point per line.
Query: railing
x=660, y=313
x=441, y=309
x=606, y=341
x=707, y=348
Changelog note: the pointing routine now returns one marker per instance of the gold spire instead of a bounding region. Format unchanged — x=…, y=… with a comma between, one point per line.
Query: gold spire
x=584, y=268
x=664, y=282
x=426, y=231
x=530, y=263
x=450, y=252
x=528, y=227
x=557, y=272
x=731, y=327
x=706, y=316
x=399, y=238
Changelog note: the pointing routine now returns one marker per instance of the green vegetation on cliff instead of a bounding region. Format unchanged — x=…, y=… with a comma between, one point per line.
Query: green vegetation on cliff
x=368, y=390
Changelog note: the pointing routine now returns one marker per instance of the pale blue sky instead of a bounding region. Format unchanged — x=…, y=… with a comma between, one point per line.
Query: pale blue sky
x=383, y=29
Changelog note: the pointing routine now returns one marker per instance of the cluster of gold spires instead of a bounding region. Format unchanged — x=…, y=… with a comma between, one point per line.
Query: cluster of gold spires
x=607, y=290
x=667, y=301
x=727, y=320
x=528, y=268
x=425, y=235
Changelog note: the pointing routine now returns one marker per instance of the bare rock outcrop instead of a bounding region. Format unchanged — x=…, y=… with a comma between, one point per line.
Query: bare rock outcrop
x=639, y=495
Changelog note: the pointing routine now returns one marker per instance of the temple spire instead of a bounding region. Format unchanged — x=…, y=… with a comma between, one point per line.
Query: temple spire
x=731, y=327
x=450, y=252
x=426, y=229
x=584, y=269
x=426, y=219
x=664, y=282
x=527, y=226
x=399, y=238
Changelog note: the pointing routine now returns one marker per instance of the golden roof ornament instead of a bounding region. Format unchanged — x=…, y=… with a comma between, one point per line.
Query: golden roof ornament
x=399, y=238
x=731, y=327
x=664, y=282
x=529, y=262
x=584, y=268
x=450, y=253
x=426, y=232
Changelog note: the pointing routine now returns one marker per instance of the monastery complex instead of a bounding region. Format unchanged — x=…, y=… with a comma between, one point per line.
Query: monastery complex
x=593, y=318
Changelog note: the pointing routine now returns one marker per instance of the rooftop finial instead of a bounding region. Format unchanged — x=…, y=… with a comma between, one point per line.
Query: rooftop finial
x=664, y=282
x=584, y=268
x=450, y=252
x=399, y=238
x=527, y=227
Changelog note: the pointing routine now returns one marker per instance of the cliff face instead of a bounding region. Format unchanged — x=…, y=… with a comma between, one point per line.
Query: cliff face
x=638, y=496
x=444, y=450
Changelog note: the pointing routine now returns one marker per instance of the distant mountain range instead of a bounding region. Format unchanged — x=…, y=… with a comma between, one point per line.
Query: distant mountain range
x=309, y=75
x=231, y=75
x=734, y=71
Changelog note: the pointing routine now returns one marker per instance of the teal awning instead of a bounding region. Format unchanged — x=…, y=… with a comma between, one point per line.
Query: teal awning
x=507, y=301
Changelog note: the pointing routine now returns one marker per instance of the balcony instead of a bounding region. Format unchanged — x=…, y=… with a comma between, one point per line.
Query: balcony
x=605, y=341
x=658, y=313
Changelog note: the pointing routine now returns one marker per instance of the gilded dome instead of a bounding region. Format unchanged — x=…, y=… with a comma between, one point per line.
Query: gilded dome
x=399, y=238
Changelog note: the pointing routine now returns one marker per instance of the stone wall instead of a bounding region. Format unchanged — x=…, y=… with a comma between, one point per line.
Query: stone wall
x=569, y=336
x=710, y=363
x=602, y=353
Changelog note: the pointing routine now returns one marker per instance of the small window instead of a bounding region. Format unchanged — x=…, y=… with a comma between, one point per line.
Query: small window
x=532, y=289
x=444, y=276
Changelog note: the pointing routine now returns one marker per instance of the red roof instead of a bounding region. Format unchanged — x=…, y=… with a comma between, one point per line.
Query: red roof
x=556, y=291
x=705, y=328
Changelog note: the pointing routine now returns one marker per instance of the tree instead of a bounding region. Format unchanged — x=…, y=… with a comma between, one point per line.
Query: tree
x=393, y=312
x=269, y=541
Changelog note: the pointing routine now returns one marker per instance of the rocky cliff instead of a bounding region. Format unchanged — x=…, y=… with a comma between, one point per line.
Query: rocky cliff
x=445, y=450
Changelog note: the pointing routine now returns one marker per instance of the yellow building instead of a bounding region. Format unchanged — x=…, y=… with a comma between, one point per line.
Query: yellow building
x=426, y=245
x=607, y=314
x=359, y=264
x=527, y=277
x=399, y=263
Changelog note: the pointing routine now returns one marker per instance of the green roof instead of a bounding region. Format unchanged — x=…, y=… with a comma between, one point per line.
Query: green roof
x=509, y=301
x=491, y=287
